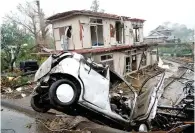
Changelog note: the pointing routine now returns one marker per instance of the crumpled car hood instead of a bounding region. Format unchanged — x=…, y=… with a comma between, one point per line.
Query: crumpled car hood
x=43, y=69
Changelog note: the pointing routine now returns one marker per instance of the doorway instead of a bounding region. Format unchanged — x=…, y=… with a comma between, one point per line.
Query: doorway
x=134, y=63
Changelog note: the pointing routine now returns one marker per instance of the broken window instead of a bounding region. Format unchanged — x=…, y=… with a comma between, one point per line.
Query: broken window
x=128, y=64
x=108, y=60
x=65, y=31
x=65, y=35
x=120, y=38
x=97, y=35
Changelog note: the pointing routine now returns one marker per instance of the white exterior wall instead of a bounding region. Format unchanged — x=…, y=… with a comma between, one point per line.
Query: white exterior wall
x=128, y=36
x=119, y=62
x=141, y=34
x=148, y=58
x=76, y=43
x=108, y=40
x=85, y=42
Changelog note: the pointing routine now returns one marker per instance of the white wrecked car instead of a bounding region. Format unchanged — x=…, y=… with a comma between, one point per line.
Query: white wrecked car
x=68, y=79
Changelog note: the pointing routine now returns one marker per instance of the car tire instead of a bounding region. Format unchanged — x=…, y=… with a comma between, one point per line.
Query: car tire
x=68, y=84
x=37, y=106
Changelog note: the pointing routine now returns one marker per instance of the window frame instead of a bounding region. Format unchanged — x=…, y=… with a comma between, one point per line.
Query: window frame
x=96, y=21
x=106, y=59
x=96, y=28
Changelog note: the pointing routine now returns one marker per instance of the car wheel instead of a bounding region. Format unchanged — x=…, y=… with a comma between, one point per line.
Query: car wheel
x=37, y=105
x=64, y=93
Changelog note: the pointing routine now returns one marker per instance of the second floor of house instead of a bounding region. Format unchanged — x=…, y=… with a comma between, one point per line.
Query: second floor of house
x=83, y=29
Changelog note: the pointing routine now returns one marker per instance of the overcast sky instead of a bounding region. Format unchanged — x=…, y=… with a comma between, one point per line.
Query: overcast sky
x=155, y=12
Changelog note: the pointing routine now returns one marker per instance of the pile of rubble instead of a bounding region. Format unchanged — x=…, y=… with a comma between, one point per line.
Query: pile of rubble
x=176, y=106
x=17, y=87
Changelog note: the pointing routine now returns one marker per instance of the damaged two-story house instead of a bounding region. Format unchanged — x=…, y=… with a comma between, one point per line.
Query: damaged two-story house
x=105, y=38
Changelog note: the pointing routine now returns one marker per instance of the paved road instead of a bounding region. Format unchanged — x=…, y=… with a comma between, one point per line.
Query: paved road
x=16, y=122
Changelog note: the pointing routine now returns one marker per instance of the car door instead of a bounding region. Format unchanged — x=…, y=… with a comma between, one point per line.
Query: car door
x=146, y=104
x=96, y=87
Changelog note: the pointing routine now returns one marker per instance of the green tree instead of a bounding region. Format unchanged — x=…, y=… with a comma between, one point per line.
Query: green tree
x=32, y=18
x=12, y=37
x=180, y=31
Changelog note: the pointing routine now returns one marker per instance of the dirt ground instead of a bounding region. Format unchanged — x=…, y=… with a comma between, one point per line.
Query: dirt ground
x=138, y=78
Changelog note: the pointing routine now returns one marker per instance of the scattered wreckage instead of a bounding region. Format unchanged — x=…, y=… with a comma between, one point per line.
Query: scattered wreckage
x=68, y=79
x=181, y=114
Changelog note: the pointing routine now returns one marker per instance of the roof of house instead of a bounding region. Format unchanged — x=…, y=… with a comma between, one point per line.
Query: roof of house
x=161, y=28
x=72, y=13
x=155, y=34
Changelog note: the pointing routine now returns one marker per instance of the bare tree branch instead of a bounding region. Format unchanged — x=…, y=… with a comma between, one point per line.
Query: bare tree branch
x=33, y=20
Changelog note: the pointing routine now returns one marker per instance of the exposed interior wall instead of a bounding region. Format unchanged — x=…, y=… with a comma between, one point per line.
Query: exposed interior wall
x=81, y=32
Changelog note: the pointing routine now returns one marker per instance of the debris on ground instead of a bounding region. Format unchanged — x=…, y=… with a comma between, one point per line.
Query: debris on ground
x=18, y=86
x=176, y=106
x=137, y=79
x=62, y=123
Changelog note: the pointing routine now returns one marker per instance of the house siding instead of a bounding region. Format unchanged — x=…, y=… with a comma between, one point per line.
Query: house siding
x=76, y=42
x=85, y=41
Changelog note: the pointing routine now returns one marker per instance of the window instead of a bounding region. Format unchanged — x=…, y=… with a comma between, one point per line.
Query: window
x=65, y=31
x=128, y=65
x=106, y=57
x=65, y=35
x=95, y=21
x=97, y=35
x=120, y=36
x=108, y=60
x=96, y=29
